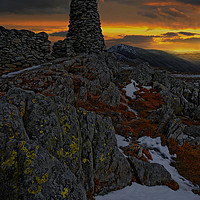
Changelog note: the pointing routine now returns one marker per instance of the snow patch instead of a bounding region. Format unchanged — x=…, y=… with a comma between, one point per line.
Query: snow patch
x=147, y=87
x=160, y=154
x=121, y=142
x=141, y=192
x=131, y=89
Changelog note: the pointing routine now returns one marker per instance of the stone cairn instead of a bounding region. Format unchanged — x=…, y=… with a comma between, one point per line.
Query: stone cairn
x=85, y=34
x=22, y=48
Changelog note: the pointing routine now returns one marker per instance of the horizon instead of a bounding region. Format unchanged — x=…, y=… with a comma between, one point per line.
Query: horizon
x=170, y=26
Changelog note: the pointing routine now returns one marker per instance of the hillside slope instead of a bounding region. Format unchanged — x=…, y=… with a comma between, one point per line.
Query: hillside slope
x=155, y=58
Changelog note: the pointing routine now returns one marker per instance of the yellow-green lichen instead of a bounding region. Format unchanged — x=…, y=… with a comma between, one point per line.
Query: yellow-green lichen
x=42, y=180
x=34, y=100
x=28, y=171
x=102, y=158
x=38, y=190
x=28, y=162
x=10, y=161
x=30, y=154
x=65, y=192
x=85, y=160
x=73, y=149
x=22, y=147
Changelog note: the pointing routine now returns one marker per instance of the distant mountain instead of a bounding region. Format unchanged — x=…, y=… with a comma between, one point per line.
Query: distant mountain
x=155, y=58
x=191, y=57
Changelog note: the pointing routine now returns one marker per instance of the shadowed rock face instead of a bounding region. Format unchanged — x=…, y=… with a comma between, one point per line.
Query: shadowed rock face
x=85, y=34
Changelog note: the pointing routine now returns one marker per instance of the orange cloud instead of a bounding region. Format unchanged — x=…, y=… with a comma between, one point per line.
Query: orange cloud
x=182, y=5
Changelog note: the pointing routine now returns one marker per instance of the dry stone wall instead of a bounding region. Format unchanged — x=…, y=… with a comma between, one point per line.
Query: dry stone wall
x=22, y=49
x=85, y=34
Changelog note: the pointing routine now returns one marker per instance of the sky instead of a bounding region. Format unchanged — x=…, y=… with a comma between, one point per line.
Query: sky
x=171, y=25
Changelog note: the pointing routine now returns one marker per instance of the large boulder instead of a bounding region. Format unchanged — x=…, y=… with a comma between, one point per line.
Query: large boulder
x=67, y=140
x=150, y=174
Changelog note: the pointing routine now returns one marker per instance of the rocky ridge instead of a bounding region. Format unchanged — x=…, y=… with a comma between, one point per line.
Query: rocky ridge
x=67, y=113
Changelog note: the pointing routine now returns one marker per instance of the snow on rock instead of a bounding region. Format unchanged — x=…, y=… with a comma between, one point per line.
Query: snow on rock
x=160, y=154
x=121, y=142
x=147, y=87
x=131, y=89
x=134, y=111
x=12, y=74
x=155, y=144
x=142, y=192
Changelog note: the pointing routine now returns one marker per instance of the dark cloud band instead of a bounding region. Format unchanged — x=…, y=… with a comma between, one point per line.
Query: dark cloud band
x=34, y=7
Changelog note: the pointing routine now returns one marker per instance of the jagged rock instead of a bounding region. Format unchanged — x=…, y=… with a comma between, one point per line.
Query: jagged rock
x=82, y=141
x=44, y=176
x=150, y=174
x=63, y=87
x=193, y=131
x=196, y=113
x=143, y=74
x=111, y=95
x=109, y=159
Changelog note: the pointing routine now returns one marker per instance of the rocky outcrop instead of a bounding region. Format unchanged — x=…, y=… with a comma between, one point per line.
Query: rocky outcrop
x=22, y=49
x=85, y=34
x=181, y=99
x=69, y=140
x=77, y=145
x=150, y=174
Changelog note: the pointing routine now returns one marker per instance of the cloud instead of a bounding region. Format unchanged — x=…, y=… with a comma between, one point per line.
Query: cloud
x=194, y=2
x=187, y=33
x=145, y=41
x=171, y=12
x=148, y=14
x=170, y=34
x=192, y=40
x=34, y=7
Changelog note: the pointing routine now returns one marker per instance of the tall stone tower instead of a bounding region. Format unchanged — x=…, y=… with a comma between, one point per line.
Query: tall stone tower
x=85, y=34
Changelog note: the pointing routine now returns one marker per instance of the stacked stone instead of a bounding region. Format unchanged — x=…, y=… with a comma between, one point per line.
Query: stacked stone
x=85, y=34
x=21, y=49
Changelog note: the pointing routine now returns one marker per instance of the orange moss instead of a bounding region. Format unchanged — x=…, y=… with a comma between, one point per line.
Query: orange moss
x=90, y=196
x=148, y=100
x=172, y=184
x=2, y=93
x=196, y=192
x=98, y=185
x=133, y=150
x=189, y=122
x=48, y=93
x=188, y=160
x=147, y=154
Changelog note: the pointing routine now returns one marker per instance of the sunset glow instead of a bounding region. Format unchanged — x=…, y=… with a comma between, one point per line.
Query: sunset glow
x=152, y=24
